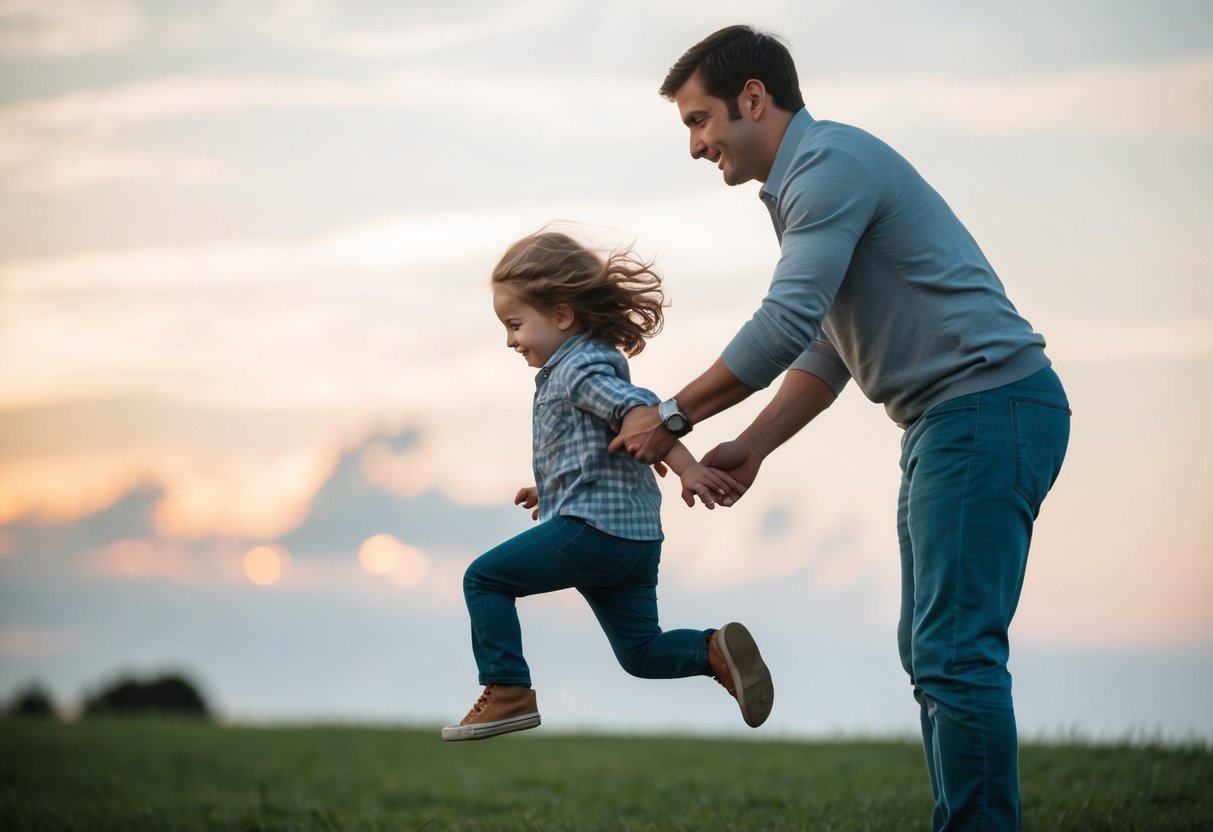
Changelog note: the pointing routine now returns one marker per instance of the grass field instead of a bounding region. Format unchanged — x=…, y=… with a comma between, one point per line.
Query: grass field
x=159, y=774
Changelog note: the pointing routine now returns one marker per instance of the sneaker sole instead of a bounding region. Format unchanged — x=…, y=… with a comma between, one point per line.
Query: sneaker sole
x=482, y=731
x=751, y=678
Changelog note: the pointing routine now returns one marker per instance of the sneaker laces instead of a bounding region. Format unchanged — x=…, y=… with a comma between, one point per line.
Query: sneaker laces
x=725, y=685
x=479, y=705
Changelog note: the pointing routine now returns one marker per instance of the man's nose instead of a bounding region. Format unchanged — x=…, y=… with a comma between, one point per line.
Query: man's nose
x=698, y=148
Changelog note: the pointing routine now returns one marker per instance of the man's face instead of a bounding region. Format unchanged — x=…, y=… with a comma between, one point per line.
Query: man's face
x=736, y=146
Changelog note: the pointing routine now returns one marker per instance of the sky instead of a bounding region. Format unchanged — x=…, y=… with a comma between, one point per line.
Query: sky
x=256, y=414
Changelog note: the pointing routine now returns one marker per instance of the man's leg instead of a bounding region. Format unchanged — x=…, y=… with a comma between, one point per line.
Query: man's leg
x=905, y=645
x=975, y=471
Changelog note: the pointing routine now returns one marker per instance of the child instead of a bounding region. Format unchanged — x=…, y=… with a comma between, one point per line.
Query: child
x=568, y=312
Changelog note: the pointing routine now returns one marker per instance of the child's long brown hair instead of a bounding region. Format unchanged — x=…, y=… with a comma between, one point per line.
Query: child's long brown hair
x=617, y=298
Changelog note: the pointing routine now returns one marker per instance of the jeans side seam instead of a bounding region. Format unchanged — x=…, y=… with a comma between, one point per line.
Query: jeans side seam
x=960, y=530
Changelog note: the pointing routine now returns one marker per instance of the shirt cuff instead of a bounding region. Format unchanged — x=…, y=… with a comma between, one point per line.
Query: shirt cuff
x=641, y=397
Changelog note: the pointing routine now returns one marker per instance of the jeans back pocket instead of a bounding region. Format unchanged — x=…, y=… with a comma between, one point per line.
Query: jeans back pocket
x=1040, y=433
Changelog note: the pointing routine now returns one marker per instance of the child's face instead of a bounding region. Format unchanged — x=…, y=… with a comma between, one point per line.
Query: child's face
x=533, y=334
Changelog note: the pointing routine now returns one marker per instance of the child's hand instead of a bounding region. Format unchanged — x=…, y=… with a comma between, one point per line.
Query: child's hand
x=710, y=486
x=528, y=497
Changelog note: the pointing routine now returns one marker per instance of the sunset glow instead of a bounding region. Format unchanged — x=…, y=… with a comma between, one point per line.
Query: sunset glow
x=379, y=554
x=126, y=559
x=257, y=415
x=412, y=568
x=383, y=554
x=264, y=565
x=404, y=474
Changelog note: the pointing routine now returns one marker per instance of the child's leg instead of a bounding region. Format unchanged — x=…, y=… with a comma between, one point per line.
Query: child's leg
x=629, y=618
x=527, y=564
x=619, y=580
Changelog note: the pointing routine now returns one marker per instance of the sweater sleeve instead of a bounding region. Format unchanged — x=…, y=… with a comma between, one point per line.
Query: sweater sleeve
x=826, y=204
x=822, y=360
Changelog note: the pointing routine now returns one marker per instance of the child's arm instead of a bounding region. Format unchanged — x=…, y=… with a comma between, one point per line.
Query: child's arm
x=709, y=485
x=601, y=386
x=528, y=497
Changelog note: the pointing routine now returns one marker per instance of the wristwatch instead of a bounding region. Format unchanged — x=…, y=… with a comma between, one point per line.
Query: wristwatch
x=674, y=418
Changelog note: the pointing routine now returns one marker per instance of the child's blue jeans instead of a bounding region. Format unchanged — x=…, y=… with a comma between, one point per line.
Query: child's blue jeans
x=617, y=577
x=974, y=473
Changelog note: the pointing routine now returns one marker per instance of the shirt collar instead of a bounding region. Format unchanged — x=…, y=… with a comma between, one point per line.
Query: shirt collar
x=784, y=156
x=569, y=346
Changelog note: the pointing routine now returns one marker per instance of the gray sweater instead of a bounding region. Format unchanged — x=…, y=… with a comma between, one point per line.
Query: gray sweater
x=878, y=280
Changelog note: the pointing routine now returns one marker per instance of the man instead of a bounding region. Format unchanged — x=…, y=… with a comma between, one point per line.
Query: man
x=878, y=280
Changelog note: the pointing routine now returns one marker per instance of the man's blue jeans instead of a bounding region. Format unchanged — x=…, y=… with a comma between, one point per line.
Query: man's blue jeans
x=974, y=473
x=617, y=577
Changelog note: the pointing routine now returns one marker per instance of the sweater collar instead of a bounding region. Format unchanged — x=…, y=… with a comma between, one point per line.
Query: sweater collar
x=784, y=156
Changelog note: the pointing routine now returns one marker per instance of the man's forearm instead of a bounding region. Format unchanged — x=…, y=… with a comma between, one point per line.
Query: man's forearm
x=800, y=398
x=717, y=389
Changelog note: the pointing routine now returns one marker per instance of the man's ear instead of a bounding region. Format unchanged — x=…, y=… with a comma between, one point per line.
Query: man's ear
x=565, y=317
x=753, y=99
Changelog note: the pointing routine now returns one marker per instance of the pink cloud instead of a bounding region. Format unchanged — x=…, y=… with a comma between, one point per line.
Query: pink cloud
x=28, y=642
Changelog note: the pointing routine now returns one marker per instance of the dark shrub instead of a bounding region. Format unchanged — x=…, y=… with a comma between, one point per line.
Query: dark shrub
x=31, y=702
x=168, y=694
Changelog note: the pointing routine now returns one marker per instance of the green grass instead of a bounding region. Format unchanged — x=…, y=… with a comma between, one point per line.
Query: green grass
x=158, y=774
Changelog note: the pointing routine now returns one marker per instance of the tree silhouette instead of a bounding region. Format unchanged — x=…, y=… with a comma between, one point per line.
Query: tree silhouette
x=31, y=702
x=172, y=694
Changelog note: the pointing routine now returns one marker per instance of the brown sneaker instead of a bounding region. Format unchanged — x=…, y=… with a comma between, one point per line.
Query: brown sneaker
x=499, y=710
x=738, y=666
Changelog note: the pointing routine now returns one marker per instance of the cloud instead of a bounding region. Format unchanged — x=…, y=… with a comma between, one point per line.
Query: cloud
x=66, y=169
x=126, y=424
x=244, y=314
x=127, y=541
x=385, y=244
x=64, y=28
x=1165, y=101
x=88, y=137
x=1117, y=342
x=29, y=642
x=141, y=558
x=349, y=508
x=315, y=25
x=234, y=322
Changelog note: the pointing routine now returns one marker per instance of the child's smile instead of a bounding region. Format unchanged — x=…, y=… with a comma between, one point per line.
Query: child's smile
x=530, y=332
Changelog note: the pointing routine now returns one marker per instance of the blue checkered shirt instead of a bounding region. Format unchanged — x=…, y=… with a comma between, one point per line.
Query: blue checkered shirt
x=581, y=391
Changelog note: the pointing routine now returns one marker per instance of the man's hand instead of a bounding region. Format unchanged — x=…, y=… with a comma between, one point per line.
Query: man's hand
x=528, y=497
x=737, y=459
x=643, y=436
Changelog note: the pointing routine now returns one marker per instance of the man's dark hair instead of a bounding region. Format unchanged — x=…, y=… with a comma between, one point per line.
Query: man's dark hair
x=732, y=56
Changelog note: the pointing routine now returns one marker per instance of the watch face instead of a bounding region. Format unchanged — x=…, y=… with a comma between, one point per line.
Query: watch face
x=675, y=421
